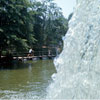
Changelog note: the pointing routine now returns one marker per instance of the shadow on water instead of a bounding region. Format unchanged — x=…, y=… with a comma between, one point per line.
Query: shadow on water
x=16, y=65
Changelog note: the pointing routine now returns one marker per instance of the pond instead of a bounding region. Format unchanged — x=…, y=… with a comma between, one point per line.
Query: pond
x=28, y=80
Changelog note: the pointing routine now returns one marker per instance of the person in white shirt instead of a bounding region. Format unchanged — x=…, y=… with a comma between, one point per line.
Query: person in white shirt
x=30, y=52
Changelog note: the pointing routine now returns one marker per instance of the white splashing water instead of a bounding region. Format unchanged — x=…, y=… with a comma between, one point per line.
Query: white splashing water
x=78, y=67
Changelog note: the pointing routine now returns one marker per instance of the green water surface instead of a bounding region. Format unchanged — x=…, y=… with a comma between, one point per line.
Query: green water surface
x=28, y=80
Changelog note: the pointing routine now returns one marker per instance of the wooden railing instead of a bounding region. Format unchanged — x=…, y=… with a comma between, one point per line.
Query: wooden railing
x=35, y=53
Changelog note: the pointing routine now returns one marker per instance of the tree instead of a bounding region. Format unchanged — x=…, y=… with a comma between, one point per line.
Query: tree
x=50, y=24
x=70, y=16
x=24, y=24
x=16, y=27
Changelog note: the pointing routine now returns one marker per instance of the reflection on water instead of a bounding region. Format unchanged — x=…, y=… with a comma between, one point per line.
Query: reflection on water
x=27, y=80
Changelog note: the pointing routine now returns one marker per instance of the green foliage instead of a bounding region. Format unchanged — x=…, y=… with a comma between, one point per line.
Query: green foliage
x=16, y=27
x=25, y=24
x=50, y=25
x=70, y=16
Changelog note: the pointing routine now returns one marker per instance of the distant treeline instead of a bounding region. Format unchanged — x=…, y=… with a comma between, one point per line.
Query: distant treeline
x=30, y=23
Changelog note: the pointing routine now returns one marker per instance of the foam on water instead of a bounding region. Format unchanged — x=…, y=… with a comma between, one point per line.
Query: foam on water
x=78, y=66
